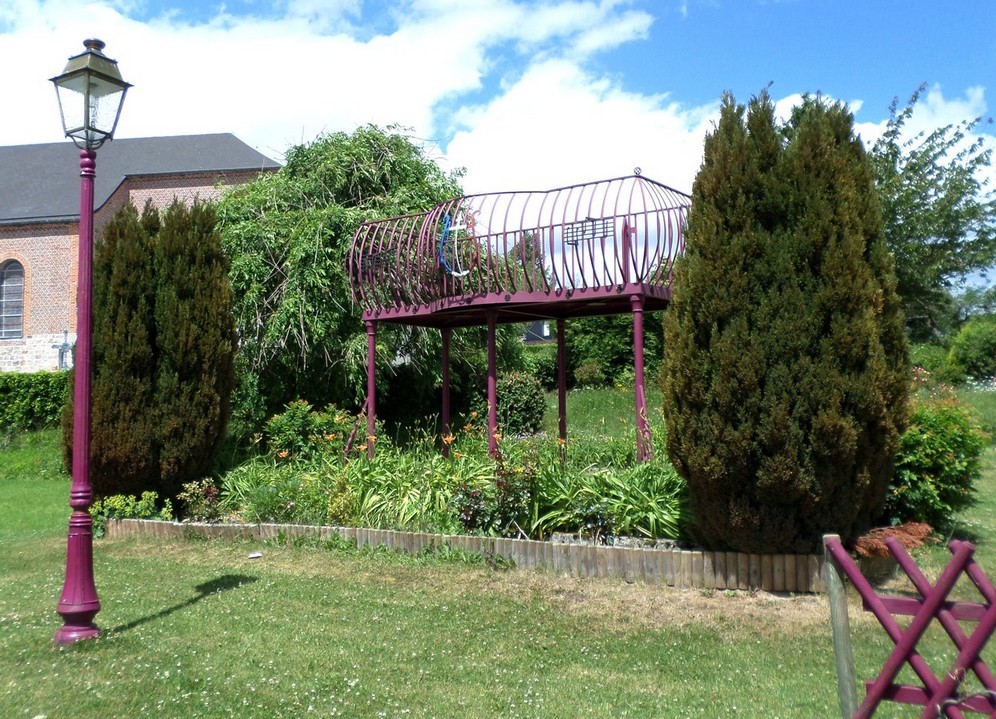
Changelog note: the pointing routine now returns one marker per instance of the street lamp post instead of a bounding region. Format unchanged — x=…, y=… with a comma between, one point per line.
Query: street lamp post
x=90, y=92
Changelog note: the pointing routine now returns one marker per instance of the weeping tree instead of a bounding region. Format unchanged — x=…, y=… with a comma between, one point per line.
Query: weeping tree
x=785, y=370
x=288, y=234
x=163, y=348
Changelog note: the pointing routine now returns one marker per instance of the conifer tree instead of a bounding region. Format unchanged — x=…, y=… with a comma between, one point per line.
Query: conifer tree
x=195, y=344
x=163, y=346
x=123, y=448
x=785, y=360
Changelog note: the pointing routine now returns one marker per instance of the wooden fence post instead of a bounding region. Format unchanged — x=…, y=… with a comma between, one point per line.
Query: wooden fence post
x=840, y=623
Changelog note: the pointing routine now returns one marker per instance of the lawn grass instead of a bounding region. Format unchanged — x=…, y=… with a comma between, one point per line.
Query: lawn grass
x=196, y=628
x=605, y=411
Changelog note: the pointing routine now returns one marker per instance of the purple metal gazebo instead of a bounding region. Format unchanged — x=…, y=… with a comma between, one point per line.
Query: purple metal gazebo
x=600, y=248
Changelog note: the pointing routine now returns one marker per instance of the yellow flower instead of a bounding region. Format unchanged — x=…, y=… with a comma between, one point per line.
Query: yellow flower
x=468, y=427
x=362, y=448
x=448, y=439
x=330, y=437
x=283, y=454
x=561, y=441
x=473, y=415
x=458, y=454
x=497, y=436
x=371, y=439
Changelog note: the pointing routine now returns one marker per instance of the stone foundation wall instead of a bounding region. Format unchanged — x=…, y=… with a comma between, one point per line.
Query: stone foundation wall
x=33, y=354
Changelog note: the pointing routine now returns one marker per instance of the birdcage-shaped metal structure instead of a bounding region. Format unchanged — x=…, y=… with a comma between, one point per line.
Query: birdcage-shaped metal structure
x=598, y=248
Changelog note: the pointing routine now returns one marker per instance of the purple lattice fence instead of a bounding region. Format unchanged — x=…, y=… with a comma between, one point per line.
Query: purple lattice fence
x=941, y=695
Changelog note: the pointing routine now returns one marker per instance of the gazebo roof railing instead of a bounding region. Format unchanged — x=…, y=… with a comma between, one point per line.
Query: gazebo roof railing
x=519, y=247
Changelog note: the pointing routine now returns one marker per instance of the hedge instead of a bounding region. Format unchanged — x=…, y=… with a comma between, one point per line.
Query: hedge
x=31, y=400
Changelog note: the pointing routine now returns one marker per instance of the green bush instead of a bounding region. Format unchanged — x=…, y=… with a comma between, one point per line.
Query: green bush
x=648, y=500
x=162, y=355
x=31, y=400
x=541, y=362
x=201, y=501
x=973, y=349
x=589, y=374
x=932, y=361
x=930, y=357
x=299, y=432
x=521, y=403
x=785, y=375
x=126, y=506
x=937, y=463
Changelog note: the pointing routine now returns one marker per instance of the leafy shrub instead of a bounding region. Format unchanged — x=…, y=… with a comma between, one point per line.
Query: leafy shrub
x=541, y=362
x=589, y=374
x=973, y=349
x=201, y=500
x=930, y=357
x=521, y=403
x=503, y=506
x=299, y=432
x=937, y=463
x=648, y=500
x=264, y=490
x=31, y=400
x=125, y=506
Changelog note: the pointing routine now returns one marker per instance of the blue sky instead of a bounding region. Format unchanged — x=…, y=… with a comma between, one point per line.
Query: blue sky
x=526, y=94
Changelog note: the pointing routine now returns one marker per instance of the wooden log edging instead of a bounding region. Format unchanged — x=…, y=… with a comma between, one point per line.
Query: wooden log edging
x=681, y=568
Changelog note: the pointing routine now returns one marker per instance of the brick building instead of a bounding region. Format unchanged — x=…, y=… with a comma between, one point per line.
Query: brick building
x=39, y=222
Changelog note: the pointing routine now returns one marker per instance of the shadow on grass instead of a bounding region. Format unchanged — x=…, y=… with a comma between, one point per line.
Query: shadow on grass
x=215, y=586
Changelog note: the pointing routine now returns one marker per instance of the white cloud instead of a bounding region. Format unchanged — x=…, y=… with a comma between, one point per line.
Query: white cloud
x=302, y=67
x=558, y=126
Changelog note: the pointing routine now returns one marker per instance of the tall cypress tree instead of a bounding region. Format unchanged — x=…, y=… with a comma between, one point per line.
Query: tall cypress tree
x=785, y=370
x=123, y=447
x=163, y=347
x=195, y=343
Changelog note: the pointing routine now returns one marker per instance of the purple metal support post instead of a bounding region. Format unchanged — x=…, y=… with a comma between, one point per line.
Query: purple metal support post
x=445, y=417
x=643, y=449
x=79, y=604
x=371, y=386
x=562, y=378
x=492, y=387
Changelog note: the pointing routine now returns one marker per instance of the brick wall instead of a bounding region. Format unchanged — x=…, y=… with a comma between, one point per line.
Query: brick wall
x=48, y=254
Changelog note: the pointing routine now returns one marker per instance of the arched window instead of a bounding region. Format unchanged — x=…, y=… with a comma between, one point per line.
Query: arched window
x=11, y=300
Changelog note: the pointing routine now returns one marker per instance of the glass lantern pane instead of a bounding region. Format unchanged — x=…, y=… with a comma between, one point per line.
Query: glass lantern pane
x=71, y=103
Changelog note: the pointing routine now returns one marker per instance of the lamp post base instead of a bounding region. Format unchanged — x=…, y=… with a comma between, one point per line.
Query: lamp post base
x=72, y=633
x=78, y=604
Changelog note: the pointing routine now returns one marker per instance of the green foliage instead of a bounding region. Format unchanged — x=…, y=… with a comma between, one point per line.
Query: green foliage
x=163, y=346
x=647, y=500
x=195, y=344
x=530, y=489
x=287, y=234
x=607, y=342
x=30, y=401
x=590, y=374
x=785, y=373
x=521, y=403
x=938, y=462
x=299, y=432
x=126, y=506
x=541, y=362
x=973, y=349
x=932, y=361
x=201, y=501
x=939, y=217
x=124, y=455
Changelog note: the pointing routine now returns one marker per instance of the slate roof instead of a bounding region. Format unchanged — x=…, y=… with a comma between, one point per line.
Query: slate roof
x=40, y=183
